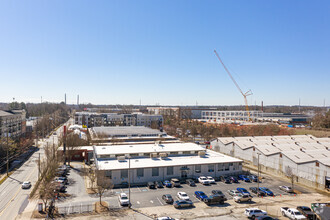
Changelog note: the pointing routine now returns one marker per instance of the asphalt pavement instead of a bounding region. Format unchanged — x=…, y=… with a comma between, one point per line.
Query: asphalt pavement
x=14, y=199
x=145, y=197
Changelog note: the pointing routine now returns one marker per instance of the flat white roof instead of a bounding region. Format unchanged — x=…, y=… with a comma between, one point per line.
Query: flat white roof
x=146, y=148
x=210, y=158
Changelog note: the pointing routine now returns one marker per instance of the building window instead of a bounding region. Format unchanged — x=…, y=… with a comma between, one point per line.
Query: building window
x=226, y=166
x=230, y=164
x=211, y=168
x=220, y=167
x=169, y=171
x=124, y=173
x=155, y=171
x=140, y=172
x=317, y=164
x=108, y=173
x=198, y=168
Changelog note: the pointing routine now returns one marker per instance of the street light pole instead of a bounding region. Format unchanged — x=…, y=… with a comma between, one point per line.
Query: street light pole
x=129, y=182
x=258, y=174
x=7, y=154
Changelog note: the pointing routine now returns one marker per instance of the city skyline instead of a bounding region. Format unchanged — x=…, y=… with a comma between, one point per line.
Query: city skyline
x=123, y=52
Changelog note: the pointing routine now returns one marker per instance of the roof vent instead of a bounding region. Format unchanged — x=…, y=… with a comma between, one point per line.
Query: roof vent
x=153, y=155
x=163, y=155
x=201, y=153
x=121, y=158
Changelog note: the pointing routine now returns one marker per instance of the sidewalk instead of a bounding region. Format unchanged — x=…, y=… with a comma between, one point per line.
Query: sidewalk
x=27, y=213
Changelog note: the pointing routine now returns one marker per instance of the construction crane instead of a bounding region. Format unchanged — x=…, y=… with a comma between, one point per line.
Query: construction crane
x=243, y=94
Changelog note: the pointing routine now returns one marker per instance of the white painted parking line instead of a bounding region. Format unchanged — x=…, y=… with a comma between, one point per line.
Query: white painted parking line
x=151, y=201
x=138, y=202
x=160, y=201
x=139, y=189
x=121, y=190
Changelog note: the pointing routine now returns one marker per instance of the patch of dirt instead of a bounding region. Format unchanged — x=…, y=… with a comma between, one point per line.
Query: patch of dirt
x=101, y=207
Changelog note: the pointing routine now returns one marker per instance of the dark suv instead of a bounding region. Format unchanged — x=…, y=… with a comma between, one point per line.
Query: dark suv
x=190, y=182
x=151, y=185
x=168, y=198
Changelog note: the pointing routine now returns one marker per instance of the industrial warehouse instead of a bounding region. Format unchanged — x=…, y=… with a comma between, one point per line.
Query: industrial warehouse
x=161, y=162
x=304, y=157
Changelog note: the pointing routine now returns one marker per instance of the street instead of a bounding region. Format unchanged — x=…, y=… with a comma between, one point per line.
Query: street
x=14, y=199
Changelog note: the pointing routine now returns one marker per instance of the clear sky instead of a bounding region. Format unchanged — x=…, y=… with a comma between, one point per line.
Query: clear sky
x=121, y=52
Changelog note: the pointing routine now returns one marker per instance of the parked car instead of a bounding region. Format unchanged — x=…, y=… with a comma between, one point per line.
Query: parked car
x=26, y=185
x=225, y=179
x=203, y=180
x=175, y=182
x=292, y=213
x=267, y=191
x=62, y=179
x=210, y=179
x=165, y=218
x=215, y=199
x=254, y=212
x=183, y=196
x=307, y=212
x=168, y=198
x=244, y=178
x=287, y=189
x=233, y=179
x=168, y=184
x=243, y=191
x=183, y=203
x=151, y=185
x=201, y=195
x=254, y=178
x=219, y=193
x=159, y=184
x=256, y=191
x=123, y=199
x=242, y=198
x=266, y=217
x=190, y=182
x=233, y=192
x=60, y=188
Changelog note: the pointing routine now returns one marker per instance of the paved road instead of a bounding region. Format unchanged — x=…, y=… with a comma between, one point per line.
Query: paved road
x=14, y=199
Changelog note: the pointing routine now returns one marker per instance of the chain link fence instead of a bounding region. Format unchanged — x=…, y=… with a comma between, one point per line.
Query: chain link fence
x=72, y=209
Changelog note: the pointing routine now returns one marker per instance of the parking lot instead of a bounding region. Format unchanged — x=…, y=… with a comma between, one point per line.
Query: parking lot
x=145, y=197
x=149, y=201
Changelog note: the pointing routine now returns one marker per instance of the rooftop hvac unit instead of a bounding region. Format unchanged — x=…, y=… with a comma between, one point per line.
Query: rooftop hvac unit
x=153, y=155
x=201, y=153
x=163, y=155
x=121, y=158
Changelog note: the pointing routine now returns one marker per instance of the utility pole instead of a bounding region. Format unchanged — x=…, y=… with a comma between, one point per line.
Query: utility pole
x=129, y=182
x=258, y=174
x=7, y=154
x=39, y=162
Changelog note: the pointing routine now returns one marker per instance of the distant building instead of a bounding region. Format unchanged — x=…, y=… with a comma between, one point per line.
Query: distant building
x=161, y=162
x=128, y=134
x=178, y=112
x=12, y=122
x=306, y=156
x=256, y=116
x=113, y=119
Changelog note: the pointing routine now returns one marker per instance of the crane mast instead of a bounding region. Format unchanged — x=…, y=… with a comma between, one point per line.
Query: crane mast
x=237, y=86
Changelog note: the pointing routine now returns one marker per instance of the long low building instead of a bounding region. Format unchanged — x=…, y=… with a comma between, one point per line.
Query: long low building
x=131, y=134
x=161, y=162
x=304, y=156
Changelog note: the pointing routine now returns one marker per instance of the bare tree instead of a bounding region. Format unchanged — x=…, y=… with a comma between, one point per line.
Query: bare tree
x=73, y=141
x=289, y=173
x=103, y=183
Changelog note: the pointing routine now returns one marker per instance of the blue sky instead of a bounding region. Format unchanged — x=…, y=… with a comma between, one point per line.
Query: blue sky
x=118, y=52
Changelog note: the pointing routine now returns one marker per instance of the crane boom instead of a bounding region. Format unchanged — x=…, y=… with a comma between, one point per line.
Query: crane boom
x=232, y=78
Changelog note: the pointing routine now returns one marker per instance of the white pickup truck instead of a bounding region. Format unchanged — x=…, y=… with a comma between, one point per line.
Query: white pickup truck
x=292, y=213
